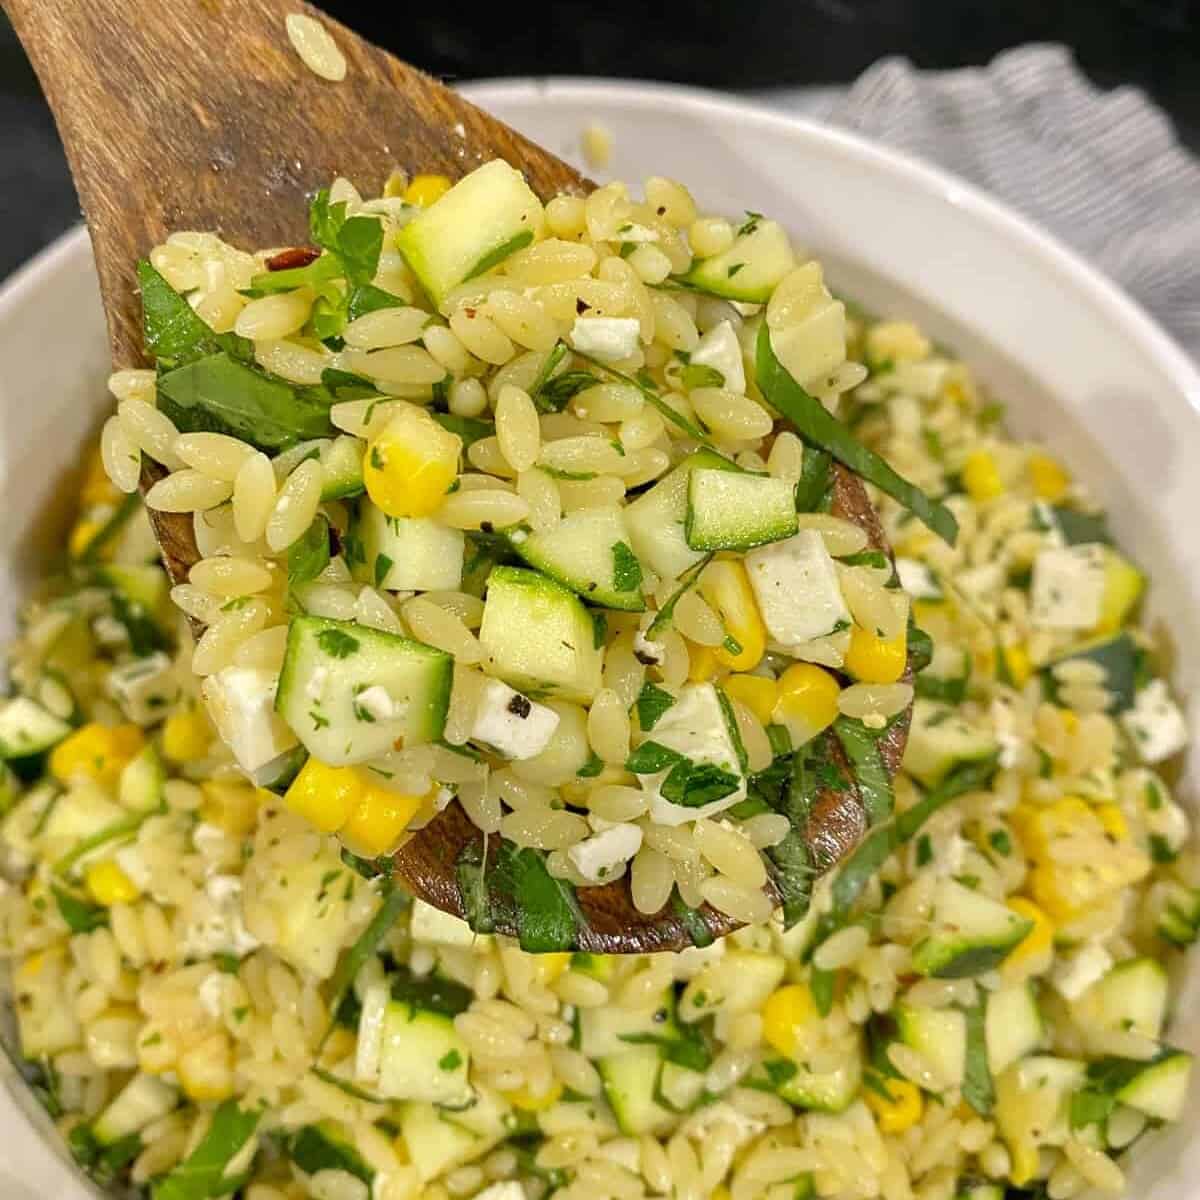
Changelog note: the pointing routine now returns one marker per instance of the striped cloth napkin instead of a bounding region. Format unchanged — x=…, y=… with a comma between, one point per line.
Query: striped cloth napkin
x=1101, y=169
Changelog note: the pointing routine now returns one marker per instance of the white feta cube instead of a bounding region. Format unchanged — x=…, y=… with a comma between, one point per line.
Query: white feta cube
x=144, y=687
x=216, y=925
x=597, y=858
x=694, y=727
x=918, y=579
x=720, y=349
x=511, y=723
x=210, y=993
x=796, y=585
x=609, y=339
x=1068, y=587
x=1075, y=972
x=648, y=651
x=241, y=702
x=1155, y=724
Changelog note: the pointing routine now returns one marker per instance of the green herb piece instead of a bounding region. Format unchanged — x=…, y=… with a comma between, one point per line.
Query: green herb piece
x=431, y=993
x=337, y=643
x=694, y=785
x=358, y=954
x=145, y=634
x=862, y=749
x=698, y=375
x=999, y=841
x=591, y=768
x=666, y=614
x=627, y=571
x=650, y=758
x=202, y=1173
x=599, y=628
x=314, y=1149
x=924, y=850
x=697, y=928
x=495, y=257
x=367, y=298
x=467, y=428
x=816, y=424
x=816, y=477
x=345, y=385
x=356, y=241
x=969, y=777
x=80, y=916
x=227, y=964
x=513, y=889
x=308, y=556
x=171, y=330
x=383, y=564
x=749, y=225
x=450, y=1061
x=652, y=702
x=218, y=394
x=821, y=984
x=315, y=275
x=978, y=1090
x=123, y=828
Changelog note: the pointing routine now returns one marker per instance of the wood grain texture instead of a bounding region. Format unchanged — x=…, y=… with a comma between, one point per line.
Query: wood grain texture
x=198, y=114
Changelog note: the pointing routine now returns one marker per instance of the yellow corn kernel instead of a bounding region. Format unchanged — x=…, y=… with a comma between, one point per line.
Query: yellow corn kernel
x=900, y=1110
x=1035, y=950
x=1016, y=657
x=109, y=885
x=206, y=1070
x=1070, y=720
x=927, y=611
x=807, y=701
x=1037, y=826
x=187, y=736
x=232, y=807
x=787, y=1011
x=551, y=966
x=31, y=968
x=702, y=662
x=378, y=820
x=726, y=586
x=410, y=465
x=325, y=796
x=96, y=488
x=81, y=537
x=1113, y=820
x=980, y=476
x=523, y=1098
x=1048, y=477
x=1068, y=891
x=425, y=189
x=758, y=693
x=395, y=184
x=97, y=752
x=721, y=1192
x=1026, y=1160
x=872, y=659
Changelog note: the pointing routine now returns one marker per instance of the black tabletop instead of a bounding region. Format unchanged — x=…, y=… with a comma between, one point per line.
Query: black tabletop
x=1154, y=44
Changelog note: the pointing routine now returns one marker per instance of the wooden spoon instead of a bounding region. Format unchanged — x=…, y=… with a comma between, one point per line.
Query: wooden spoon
x=202, y=116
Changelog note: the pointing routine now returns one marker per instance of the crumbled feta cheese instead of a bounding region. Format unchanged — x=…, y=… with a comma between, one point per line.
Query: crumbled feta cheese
x=689, y=962
x=694, y=726
x=376, y=703
x=796, y=585
x=1073, y=973
x=209, y=994
x=144, y=687
x=511, y=723
x=917, y=579
x=209, y=839
x=597, y=857
x=1004, y=727
x=720, y=349
x=607, y=338
x=241, y=701
x=1067, y=588
x=216, y=925
x=1155, y=724
x=726, y=1118
x=647, y=651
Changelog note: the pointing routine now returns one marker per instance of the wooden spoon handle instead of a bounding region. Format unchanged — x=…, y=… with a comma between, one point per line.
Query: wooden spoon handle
x=210, y=120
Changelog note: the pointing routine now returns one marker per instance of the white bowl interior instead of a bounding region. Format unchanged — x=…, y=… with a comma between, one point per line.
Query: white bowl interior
x=1076, y=363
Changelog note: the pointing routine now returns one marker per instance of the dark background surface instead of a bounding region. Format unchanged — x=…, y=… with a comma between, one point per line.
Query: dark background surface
x=1154, y=44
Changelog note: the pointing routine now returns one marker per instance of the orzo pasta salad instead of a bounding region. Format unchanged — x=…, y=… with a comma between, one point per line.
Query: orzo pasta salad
x=218, y=989
x=532, y=510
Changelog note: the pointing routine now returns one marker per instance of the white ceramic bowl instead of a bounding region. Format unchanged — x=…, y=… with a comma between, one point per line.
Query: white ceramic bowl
x=1075, y=360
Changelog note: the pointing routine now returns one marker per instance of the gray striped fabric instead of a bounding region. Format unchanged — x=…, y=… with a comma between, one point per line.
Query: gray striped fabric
x=1101, y=169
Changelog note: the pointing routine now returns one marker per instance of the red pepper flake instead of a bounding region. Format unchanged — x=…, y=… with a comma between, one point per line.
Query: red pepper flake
x=293, y=256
